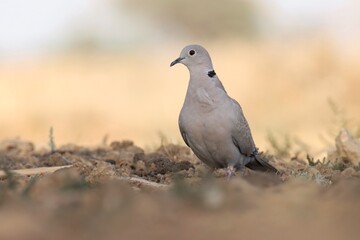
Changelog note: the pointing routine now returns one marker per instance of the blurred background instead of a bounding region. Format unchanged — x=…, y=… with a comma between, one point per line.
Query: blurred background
x=99, y=69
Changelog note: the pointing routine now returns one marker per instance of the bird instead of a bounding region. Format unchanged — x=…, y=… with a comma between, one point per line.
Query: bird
x=212, y=123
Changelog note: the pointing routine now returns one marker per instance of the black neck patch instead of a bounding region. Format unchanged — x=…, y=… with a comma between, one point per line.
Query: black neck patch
x=211, y=73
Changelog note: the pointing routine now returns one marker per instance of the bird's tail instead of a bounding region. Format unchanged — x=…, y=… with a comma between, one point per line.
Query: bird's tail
x=259, y=163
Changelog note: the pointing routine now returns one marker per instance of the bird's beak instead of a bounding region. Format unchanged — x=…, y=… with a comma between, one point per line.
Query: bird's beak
x=179, y=59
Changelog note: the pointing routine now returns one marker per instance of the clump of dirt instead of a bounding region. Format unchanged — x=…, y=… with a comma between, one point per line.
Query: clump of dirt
x=120, y=158
x=153, y=164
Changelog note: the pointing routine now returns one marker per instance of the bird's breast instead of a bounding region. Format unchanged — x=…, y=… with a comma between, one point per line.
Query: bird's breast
x=205, y=121
x=209, y=137
x=204, y=98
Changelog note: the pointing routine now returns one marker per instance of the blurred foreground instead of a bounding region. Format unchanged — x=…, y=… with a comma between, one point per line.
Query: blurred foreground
x=118, y=191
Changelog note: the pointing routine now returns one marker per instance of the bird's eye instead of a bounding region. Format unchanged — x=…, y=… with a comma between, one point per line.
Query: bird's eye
x=191, y=52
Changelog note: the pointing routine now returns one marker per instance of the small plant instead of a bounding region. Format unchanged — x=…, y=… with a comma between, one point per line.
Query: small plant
x=321, y=179
x=281, y=149
x=339, y=120
x=317, y=177
x=52, y=145
x=339, y=166
x=357, y=167
x=311, y=161
x=314, y=163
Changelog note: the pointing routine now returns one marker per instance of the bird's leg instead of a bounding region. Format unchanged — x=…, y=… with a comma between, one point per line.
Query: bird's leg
x=230, y=170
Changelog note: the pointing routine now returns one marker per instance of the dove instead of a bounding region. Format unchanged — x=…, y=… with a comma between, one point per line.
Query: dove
x=212, y=123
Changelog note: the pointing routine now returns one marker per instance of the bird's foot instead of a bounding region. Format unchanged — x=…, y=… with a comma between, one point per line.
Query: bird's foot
x=230, y=170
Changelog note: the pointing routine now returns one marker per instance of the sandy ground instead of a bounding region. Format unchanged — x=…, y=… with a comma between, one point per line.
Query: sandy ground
x=177, y=198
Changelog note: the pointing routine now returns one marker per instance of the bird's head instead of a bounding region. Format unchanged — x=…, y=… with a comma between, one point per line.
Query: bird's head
x=194, y=56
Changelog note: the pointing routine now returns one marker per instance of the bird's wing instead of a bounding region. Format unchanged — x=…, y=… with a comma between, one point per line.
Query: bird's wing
x=241, y=134
x=260, y=163
x=242, y=138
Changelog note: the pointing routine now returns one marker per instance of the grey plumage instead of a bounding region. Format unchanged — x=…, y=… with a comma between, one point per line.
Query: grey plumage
x=211, y=123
